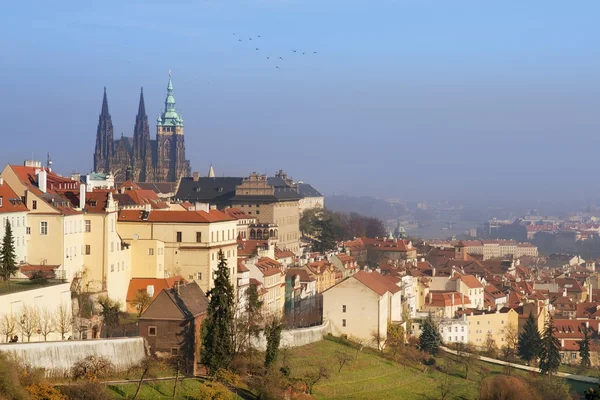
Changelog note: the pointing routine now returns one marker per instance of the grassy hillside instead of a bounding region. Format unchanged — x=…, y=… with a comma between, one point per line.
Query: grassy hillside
x=370, y=376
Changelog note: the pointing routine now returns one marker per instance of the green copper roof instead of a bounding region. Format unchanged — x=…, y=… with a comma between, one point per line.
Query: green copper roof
x=170, y=117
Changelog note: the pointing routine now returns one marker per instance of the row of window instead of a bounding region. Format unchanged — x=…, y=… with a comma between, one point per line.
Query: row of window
x=449, y=338
x=120, y=266
x=462, y=329
x=160, y=252
x=13, y=220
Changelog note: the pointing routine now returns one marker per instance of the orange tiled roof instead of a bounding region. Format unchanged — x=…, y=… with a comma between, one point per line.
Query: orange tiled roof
x=388, y=245
x=376, y=282
x=241, y=267
x=471, y=281
x=140, y=284
x=173, y=216
x=444, y=299
x=10, y=201
x=283, y=253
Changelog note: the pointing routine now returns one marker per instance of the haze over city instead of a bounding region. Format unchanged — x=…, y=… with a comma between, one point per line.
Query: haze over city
x=403, y=99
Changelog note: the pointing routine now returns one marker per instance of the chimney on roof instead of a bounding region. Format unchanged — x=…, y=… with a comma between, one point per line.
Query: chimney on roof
x=42, y=178
x=150, y=290
x=452, y=294
x=430, y=297
x=565, y=292
x=147, y=207
x=587, y=324
x=196, y=176
x=82, y=196
x=562, y=343
x=433, y=271
x=1, y=181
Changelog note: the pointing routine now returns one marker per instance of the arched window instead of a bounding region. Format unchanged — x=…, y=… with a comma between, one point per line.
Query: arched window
x=276, y=233
x=266, y=234
x=259, y=234
x=252, y=234
x=271, y=233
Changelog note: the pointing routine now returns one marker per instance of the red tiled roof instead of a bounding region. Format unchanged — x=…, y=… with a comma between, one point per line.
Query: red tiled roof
x=129, y=185
x=388, y=245
x=140, y=284
x=46, y=271
x=142, y=197
x=174, y=216
x=241, y=267
x=304, y=276
x=444, y=299
x=10, y=201
x=279, y=254
x=376, y=282
x=573, y=329
x=247, y=247
x=471, y=281
x=236, y=213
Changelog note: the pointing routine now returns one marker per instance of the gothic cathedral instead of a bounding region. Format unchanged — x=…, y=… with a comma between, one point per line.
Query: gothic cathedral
x=139, y=158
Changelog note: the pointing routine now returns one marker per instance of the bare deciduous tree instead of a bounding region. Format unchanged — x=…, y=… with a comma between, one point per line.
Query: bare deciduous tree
x=47, y=323
x=511, y=338
x=64, y=320
x=312, y=378
x=379, y=339
x=343, y=358
x=142, y=301
x=28, y=321
x=8, y=326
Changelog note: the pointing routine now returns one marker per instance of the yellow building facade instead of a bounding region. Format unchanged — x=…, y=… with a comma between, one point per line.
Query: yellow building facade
x=191, y=241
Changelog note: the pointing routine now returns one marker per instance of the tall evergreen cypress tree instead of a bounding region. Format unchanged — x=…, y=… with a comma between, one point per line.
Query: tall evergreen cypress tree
x=549, y=349
x=8, y=258
x=217, y=329
x=584, y=349
x=529, y=341
x=430, y=339
x=325, y=237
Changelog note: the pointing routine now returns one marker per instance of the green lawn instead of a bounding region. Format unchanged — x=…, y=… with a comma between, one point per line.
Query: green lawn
x=370, y=376
x=187, y=390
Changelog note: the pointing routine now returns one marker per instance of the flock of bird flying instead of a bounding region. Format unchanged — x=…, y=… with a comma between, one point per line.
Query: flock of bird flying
x=276, y=58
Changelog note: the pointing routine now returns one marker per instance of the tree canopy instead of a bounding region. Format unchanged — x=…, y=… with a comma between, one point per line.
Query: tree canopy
x=8, y=258
x=344, y=226
x=430, y=339
x=529, y=340
x=217, y=329
x=549, y=349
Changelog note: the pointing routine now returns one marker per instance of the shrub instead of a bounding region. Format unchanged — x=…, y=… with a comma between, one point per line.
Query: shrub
x=43, y=391
x=10, y=385
x=502, y=387
x=214, y=391
x=91, y=368
x=227, y=377
x=86, y=391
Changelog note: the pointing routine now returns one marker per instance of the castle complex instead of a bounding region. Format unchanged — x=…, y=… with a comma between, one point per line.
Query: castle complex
x=139, y=158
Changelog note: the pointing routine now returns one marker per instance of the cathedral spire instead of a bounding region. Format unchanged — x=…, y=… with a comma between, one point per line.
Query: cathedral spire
x=104, y=138
x=142, y=106
x=141, y=141
x=104, y=111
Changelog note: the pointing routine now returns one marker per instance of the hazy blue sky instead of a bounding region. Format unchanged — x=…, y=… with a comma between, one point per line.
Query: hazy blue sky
x=409, y=99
